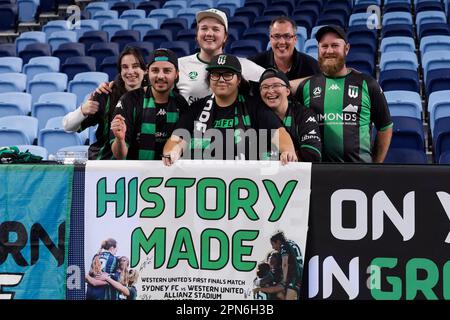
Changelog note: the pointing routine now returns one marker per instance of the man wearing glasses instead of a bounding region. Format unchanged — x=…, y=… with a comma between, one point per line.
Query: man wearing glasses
x=283, y=55
x=221, y=126
x=299, y=121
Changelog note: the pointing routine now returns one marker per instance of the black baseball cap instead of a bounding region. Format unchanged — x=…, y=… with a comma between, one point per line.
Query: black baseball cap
x=331, y=28
x=274, y=73
x=163, y=54
x=225, y=61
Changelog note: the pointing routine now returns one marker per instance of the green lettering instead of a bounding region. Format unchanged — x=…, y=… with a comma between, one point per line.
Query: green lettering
x=202, y=186
x=152, y=197
x=240, y=250
x=279, y=201
x=157, y=241
x=117, y=197
x=413, y=284
x=132, y=197
x=395, y=282
x=246, y=204
x=206, y=262
x=180, y=185
x=446, y=280
x=183, y=238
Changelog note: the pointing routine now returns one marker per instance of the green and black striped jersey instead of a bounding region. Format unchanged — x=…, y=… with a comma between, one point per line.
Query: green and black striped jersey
x=346, y=107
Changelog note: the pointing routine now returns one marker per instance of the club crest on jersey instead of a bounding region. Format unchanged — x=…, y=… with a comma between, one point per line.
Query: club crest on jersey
x=193, y=75
x=222, y=59
x=353, y=92
x=317, y=91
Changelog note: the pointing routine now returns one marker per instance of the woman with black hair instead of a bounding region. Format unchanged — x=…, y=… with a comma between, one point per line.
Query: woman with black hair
x=100, y=108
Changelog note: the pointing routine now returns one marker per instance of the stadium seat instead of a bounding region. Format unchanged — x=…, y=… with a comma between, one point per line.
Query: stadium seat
x=174, y=25
x=144, y=25
x=398, y=79
x=35, y=150
x=397, y=30
x=54, y=26
x=246, y=48
x=7, y=50
x=67, y=50
x=359, y=19
x=404, y=103
x=444, y=158
x=232, y=5
x=188, y=14
x=27, y=10
x=397, y=7
x=75, y=65
x=438, y=106
x=405, y=156
x=181, y=48
x=109, y=66
x=86, y=82
x=29, y=37
x=397, y=18
x=148, y=6
x=189, y=36
x=434, y=29
x=16, y=130
x=363, y=62
x=112, y=26
x=15, y=103
x=45, y=83
x=391, y=44
x=53, y=137
x=407, y=133
x=122, y=6
x=425, y=17
x=34, y=50
x=102, y=16
x=441, y=137
x=8, y=17
x=94, y=7
x=158, y=36
x=162, y=14
x=102, y=50
x=437, y=80
x=434, y=43
x=258, y=34
x=59, y=37
x=40, y=65
x=175, y=5
x=93, y=37
x=398, y=60
x=53, y=104
x=132, y=15
x=241, y=24
x=13, y=82
x=202, y=4
x=145, y=47
x=10, y=64
x=87, y=25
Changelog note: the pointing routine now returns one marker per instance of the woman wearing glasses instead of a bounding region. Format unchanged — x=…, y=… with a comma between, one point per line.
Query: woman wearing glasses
x=300, y=122
x=220, y=126
x=283, y=55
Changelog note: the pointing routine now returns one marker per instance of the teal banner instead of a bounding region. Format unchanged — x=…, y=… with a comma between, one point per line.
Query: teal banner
x=35, y=205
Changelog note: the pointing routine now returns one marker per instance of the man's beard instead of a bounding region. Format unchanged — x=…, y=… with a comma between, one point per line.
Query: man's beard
x=332, y=69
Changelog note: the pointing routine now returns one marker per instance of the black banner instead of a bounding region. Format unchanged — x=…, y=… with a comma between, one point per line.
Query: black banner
x=392, y=218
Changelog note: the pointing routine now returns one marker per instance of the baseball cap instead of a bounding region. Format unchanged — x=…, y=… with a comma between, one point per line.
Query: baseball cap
x=213, y=13
x=274, y=73
x=225, y=61
x=331, y=28
x=163, y=54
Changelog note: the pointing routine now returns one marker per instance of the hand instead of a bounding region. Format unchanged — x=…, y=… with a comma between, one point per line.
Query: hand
x=288, y=156
x=90, y=107
x=169, y=158
x=104, y=87
x=118, y=127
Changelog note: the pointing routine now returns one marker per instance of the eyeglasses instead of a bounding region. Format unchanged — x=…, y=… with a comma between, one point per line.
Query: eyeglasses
x=285, y=36
x=275, y=86
x=227, y=76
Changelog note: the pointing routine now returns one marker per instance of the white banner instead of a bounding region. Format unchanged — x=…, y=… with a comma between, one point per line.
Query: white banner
x=196, y=230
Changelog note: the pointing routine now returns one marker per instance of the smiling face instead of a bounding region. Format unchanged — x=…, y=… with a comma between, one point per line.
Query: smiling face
x=131, y=72
x=211, y=36
x=162, y=76
x=283, y=39
x=224, y=88
x=274, y=92
x=332, y=54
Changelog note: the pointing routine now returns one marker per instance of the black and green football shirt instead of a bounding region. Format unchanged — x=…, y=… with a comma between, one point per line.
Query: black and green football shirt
x=346, y=107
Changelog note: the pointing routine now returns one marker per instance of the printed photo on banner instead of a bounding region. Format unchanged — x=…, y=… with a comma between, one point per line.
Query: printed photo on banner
x=197, y=230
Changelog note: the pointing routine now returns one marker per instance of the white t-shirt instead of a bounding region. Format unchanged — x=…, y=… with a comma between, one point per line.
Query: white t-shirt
x=192, y=83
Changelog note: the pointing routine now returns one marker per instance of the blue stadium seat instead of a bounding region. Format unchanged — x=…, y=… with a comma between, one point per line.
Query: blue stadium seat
x=59, y=37
x=7, y=50
x=27, y=10
x=397, y=7
x=398, y=79
x=162, y=14
x=54, y=26
x=262, y=22
x=311, y=46
x=53, y=104
x=407, y=133
x=87, y=25
x=67, y=50
x=74, y=65
x=397, y=30
x=243, y=23
x=441, y=137
x=121, y=6
x=145, y=47
x=332, y=18
x=231, y=5
x=40, y=65
x=246, y=48
x=202, y=4
x=363, y=62
x=429, y=5
x=189, y=36
x=93, y=37
x=102, y=50
x=437, y=80
x=148, y=6
x=158, y=36
x=425, y=17
x=438, y=106
x=10, y=64
x=258, y=34
x=174, y=25
x=29, y=37
x=404, y=103
x=444, y=158
x=289, y=4
x=358, y=19
x=391, y=44
x=434, y=43
x=15, y=103
x=434, y=29
x=53, y=137
x=132, y=15
x=123, y=37
x=102, y=16
x=46, y=82
x=397, y=18
x=8, y=17
x=13, y=82
x=175, y=5
x=144, y=25
x=188, y=14
x=405, y=156
x=34, y=50
x=398, y=60
x=304, y=20
x=435, y=60
x=35, y=150
x=109, y=66
x=181, y=48
x=86, y=82
x=258, y=4
x=112, y=26
x=94, y=7
x=15, y=130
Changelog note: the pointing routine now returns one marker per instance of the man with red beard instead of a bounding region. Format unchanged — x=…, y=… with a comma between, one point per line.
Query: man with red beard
x=346, y=102
x=146, y=117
